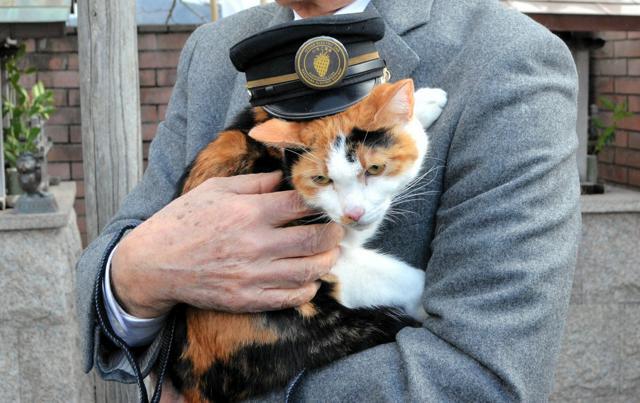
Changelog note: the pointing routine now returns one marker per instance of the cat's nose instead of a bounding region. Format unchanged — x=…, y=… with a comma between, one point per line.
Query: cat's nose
x=353, y=214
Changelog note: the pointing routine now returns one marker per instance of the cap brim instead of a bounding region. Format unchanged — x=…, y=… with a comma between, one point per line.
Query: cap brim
x=321, y=103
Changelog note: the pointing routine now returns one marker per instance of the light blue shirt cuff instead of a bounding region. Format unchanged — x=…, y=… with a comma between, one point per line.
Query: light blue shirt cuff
x=135, y=332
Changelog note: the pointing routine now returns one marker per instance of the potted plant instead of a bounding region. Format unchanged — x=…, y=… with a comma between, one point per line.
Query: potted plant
x=602, y=134
x=25, y=112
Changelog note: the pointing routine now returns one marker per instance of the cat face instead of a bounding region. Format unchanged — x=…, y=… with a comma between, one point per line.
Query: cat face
x=351, y=165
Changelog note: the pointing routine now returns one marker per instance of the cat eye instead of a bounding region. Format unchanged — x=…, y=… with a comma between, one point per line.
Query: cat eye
x=376, y=169
x=321, y=180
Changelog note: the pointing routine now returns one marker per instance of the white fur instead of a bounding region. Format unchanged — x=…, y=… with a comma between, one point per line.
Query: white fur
x=369, y=278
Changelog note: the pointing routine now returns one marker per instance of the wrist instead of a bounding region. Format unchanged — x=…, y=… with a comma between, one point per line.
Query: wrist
x=134, y=285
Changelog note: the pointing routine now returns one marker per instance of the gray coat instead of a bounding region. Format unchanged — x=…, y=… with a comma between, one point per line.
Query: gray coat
x=497, y=233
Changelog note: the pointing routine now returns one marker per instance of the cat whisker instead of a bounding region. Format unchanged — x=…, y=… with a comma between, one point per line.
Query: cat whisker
x=307, y=155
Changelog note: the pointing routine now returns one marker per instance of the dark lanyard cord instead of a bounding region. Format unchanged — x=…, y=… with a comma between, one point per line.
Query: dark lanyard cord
x=107, y=330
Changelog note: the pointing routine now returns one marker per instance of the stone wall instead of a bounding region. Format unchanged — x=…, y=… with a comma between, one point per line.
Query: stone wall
x=39, y=336
x=616, y=75
x=600, y=359
x=56, y=60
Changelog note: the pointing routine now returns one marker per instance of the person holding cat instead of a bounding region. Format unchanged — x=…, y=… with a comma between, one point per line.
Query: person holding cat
x=495, y=226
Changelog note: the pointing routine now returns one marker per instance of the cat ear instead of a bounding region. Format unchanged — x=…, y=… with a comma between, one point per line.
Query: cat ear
x=395, y=103
x=278, y=133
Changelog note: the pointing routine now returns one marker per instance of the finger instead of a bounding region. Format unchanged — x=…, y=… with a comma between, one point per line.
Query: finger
x=276, y=299
x=283, y=207
x=304, y=240
x=296, y=272
x=254, y=183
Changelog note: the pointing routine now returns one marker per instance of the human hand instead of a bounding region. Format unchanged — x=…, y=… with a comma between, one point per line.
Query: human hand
x=221, y=246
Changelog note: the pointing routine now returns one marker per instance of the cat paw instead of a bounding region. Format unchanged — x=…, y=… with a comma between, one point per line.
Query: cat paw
x=418, y=313
x=429, y=103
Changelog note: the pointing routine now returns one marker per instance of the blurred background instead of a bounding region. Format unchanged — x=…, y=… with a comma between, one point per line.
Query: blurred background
x=80, y=162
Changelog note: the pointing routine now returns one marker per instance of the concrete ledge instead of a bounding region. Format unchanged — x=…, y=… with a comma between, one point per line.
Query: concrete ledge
x=614, y=200
x=65, y=194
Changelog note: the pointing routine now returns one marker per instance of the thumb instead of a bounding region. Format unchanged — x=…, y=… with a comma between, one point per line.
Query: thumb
x=254, y=183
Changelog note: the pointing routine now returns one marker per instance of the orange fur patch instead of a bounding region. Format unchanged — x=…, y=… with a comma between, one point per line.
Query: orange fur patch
x=307, y=310
x=216, y=336
x=225, y=156
x=260, y=115
x=193, y=395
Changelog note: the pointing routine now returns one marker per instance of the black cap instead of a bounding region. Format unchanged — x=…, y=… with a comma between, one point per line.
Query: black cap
x=313, y=67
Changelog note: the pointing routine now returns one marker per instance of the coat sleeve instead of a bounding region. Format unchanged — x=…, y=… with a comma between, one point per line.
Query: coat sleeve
x=507, y=228
x=167, y=161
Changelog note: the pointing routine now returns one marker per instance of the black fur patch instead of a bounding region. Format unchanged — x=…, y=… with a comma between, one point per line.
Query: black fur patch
x=332, y=333
x=377, y=138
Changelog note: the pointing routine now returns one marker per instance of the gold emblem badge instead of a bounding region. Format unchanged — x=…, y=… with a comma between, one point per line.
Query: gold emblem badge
x=322, y=62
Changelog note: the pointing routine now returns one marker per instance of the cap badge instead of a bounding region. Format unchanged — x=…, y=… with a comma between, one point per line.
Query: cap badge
x=322, y=62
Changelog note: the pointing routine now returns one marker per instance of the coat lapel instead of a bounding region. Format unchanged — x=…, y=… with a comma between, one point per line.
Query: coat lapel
x=400, y=17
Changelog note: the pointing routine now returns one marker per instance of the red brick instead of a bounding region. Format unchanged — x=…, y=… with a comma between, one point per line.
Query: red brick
x=628, y=157
x=63, y=44
x=612, y=35
x=145, y=150
x=65, y=116
x=72, y=62
x=80, y=189
x=79, y=206
x=67, y=152
x=613, y=173
x=59, y=134
x=634, y=103
x=634, y=140
x=147, y=42
x=630, y=48
x=173, y=41
x=621, y=139
x=60, y=169
x=167, y=77
x=82, y=224
x=612, y=98
x=159, y=59
x=46, y=61
x=162, y=112
x=633, y=67
x=634, y=177
x=630, y=123
x=59, y=79
x=606, y=155
x=149, y=113
x=627, y=85
x=75, y=134
x=77, y=170
x=610, y=67
x=604, y=52
x=28, y=80
x=147, y=78
x=74, y=98
x=155, y=96
x=59, y=97
x=604, y=85
x=30, y=45
x=149, y=131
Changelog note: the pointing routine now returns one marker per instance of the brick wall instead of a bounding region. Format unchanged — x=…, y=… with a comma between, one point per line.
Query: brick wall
x=616, y=75
x=56, y=60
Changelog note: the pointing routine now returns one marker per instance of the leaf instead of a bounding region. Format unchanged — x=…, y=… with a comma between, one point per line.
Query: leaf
x=607, y=103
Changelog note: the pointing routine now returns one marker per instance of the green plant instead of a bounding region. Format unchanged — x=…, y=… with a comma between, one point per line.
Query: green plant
x=605, y=133
x=22, y=109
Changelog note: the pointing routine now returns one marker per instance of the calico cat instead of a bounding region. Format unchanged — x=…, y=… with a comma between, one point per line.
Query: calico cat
x=350, y=166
